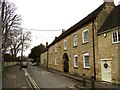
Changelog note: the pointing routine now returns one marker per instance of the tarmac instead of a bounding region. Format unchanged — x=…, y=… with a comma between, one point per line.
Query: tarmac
x=97, y=84
x=15, y=78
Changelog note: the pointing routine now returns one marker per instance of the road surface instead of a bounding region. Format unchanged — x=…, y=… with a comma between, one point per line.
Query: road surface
x=46, y=79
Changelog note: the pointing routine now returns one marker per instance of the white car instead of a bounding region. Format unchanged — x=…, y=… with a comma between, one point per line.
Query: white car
x=24, y=64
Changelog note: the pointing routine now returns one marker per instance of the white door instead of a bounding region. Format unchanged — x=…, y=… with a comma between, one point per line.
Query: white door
x=106, y=70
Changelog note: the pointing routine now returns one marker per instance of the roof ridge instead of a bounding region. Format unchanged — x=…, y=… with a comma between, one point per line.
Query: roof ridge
x=85, y=20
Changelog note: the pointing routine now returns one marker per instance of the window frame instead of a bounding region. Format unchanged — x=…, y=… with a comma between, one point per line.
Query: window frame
x=75, y=40
x=75, y=61
x=50, y=50
x=84, y=61
x=83, y=36
x=50, y=59
x=56, y=60
x=65, y=44
x=117, y=36
x=56, y=63
x=55, y=48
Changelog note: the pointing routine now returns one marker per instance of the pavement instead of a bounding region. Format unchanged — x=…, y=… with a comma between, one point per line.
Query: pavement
x=97, y=84
x=14, y=78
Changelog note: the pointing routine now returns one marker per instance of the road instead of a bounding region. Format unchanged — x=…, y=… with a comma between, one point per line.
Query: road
x=46, y=79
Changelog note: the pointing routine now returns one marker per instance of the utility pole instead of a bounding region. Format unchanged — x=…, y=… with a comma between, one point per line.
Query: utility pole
x=2, y=4
x=2, y=27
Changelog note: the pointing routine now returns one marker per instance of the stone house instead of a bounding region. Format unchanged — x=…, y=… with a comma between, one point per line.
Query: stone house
x=79, y=50
x=109, y=47
x=44, y=58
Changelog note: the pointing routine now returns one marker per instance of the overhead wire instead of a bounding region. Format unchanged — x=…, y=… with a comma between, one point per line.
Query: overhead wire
x=39, y=30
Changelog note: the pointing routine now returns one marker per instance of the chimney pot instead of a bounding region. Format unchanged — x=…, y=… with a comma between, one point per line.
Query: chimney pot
x=108, y=0
x=46, y=44
x=63, y=30
x=55, y=37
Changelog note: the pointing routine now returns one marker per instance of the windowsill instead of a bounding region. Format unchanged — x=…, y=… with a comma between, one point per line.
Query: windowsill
x=65, y=49
x=74, y=46
x=115, y=42
x=85, y=43
x=75, y=67
x=86, y=67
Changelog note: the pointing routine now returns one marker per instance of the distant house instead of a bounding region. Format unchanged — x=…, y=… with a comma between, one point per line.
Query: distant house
x=86, y=46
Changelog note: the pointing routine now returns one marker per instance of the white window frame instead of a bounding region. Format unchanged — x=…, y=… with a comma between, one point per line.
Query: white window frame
x=83, y=36
x=56, y=61
x=75, y=40
x=50, y=50
x=56, y=48
x=65, y=44
x=84, y=55
x=50, y=59
x=75, y=64
x=117, y=36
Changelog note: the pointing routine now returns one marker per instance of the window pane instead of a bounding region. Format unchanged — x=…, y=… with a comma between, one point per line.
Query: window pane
x=75, y=61
x=114, y=36
x=75, y=40
x=87, y=61
x=65, y=45
x=85, y=36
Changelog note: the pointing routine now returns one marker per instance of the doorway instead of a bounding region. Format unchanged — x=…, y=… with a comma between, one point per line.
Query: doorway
x=65, y=63
x=106, y=70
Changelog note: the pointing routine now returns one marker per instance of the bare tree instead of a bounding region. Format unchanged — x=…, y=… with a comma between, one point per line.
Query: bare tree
x=10, y=20
x=13, y=36
x=17, y=40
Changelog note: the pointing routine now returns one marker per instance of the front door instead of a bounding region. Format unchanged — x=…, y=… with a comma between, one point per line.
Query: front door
x=106, y=70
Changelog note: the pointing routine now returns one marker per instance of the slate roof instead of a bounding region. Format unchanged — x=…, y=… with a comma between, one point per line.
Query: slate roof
x=112, y=21
x=84, y=21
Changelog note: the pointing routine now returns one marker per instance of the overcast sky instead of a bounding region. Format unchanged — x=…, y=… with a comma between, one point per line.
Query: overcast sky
x=52, y=15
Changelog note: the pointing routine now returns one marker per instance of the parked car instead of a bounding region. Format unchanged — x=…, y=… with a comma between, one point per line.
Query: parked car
x=24, y=64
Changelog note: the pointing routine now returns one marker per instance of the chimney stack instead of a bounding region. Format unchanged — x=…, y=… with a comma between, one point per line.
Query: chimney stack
x=63, y=30
x=56, y=37
x=46, y=44
x=109, y=2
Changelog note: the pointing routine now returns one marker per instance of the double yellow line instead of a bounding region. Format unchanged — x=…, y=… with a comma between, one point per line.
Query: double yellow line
x=31, y=82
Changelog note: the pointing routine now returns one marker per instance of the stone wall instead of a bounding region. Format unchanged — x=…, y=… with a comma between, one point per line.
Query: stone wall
x=9, y=64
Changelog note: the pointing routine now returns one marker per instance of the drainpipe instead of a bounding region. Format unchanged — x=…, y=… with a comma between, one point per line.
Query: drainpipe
x=47, y=58
x=93, y=43
x=47, y=54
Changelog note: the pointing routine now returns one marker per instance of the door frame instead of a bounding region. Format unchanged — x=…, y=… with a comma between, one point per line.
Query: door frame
x=65, y=62
x=106, y=60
